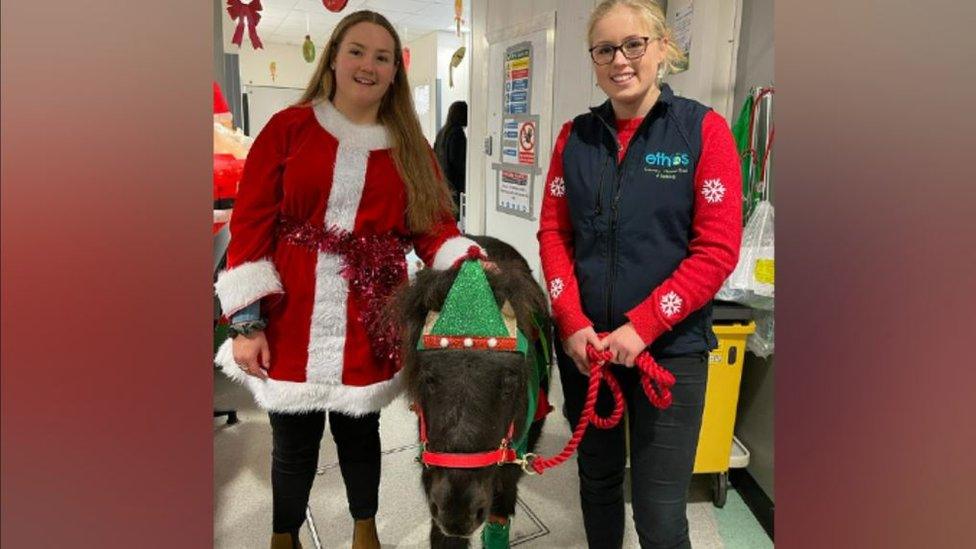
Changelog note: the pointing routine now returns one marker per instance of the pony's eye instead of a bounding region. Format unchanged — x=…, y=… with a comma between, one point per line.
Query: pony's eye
x=429, y=381
x=509, y=383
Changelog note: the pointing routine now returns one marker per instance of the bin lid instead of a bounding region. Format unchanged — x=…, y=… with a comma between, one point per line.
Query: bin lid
x=729, y=310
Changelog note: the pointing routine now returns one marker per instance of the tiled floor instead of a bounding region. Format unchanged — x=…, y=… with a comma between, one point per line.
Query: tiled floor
x=547, y=515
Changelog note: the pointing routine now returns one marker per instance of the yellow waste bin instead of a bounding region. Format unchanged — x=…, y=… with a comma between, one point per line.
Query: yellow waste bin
x=717, y=449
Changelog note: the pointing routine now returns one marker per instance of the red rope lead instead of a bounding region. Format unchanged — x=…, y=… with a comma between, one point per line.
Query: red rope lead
x=657, y=383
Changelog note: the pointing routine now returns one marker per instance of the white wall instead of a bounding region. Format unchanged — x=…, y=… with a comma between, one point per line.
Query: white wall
x=710, y=77
x=447, y=44
x=292, y=69
x=423, y=71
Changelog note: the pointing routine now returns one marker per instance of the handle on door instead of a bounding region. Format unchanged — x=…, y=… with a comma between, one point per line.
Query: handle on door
x=487, y=144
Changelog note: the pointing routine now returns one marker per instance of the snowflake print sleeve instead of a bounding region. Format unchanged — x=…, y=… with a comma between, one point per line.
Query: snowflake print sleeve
x=556, y=246
x=716, y=237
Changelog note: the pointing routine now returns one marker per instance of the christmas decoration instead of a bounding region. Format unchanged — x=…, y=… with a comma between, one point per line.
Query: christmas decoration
x=374, y=266
x=458, y=11
x=245, y=14
x=471, y=319
x=274, y=71
x=334, y=5
x=455, y=61
x=230, y=149
x=308, y=49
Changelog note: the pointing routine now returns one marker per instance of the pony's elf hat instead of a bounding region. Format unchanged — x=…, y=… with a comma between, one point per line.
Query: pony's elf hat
x=471, y=319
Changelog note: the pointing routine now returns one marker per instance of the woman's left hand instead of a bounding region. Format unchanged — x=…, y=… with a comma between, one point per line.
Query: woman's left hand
x=490, y=266
x=625, y=345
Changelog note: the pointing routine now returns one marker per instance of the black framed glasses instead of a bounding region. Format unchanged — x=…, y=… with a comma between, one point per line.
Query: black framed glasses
x=631, y=48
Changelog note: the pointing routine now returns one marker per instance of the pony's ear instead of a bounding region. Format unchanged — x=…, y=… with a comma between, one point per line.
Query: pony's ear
x=507, y=310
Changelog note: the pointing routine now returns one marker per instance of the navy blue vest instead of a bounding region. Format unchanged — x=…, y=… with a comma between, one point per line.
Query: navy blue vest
x=632, y=222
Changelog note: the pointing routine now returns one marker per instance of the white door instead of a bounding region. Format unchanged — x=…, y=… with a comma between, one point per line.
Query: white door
x=509, y=216
x=711, y=28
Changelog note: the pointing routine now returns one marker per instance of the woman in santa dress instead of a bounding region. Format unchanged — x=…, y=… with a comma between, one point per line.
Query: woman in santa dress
x=334, y=192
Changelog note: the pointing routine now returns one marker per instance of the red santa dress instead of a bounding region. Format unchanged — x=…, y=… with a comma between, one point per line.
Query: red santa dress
x=315, y=168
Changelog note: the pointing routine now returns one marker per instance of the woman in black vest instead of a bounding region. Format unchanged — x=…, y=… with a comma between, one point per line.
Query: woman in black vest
x=640, y=225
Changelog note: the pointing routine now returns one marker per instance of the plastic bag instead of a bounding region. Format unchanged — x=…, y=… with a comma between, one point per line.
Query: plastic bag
x=760, y=342
x=752, y=282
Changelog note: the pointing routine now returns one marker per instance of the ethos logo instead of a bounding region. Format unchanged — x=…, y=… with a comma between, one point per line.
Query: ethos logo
x=667, y=160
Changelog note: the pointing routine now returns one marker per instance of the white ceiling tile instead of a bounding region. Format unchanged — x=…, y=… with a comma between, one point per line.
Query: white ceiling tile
x=430, y=20
x=409, y=6
x=351, y=6
x=278, y=4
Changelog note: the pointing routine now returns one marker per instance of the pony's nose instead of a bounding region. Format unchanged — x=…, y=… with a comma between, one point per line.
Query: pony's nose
x=458, y=524
x=461, y=527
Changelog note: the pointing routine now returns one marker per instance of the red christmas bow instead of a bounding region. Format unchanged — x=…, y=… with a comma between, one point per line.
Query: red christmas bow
x=245, y=13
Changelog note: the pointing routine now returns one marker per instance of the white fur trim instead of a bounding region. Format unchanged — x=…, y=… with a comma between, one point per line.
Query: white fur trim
x=327, y=332
x=327, y=337
x=222, y=216
x=295, y=397
x=246, y=283
x=348, y=180
x=369, y=137
x=451, y=250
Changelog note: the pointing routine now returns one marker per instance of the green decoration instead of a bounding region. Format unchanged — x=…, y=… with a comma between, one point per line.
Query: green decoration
x=740, y=130
x=495, y=536
x=308, y=49
x=470, y=308
x=470, y=317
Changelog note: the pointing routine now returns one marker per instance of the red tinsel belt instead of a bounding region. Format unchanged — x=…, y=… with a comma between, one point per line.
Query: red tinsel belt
x=373, y=264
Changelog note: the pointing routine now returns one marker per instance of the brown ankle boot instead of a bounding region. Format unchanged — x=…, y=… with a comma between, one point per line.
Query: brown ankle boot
x=285, y=541
x=364, y=535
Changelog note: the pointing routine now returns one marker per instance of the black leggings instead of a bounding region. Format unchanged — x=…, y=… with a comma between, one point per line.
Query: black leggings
x=295, y=457
x=662, y=454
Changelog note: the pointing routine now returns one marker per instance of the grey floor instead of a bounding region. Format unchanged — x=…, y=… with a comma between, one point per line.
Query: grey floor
x=547, y=515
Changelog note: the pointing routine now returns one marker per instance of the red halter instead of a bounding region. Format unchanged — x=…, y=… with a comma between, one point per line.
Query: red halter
x=655, y=380
x=502, y=455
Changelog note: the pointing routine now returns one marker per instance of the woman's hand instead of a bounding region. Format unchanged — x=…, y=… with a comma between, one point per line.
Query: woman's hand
x=575, y=347
x=252, y=355
x=625, y=345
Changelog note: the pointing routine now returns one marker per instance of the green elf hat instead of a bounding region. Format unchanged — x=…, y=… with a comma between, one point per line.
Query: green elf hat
x=471, y=319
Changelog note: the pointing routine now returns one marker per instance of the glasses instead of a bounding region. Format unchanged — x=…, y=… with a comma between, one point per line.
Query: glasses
x=632, y=48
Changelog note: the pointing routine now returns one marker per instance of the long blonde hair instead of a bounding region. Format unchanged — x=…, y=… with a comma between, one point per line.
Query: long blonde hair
x=654, y=18
x=428, y=198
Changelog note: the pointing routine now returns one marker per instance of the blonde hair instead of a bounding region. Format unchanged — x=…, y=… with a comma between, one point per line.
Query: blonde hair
x=653, y=16
x=428, y=198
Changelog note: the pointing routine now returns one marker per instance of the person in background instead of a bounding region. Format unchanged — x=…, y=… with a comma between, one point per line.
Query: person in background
x=333, y=191
x=451, y=146
x=640, y=225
